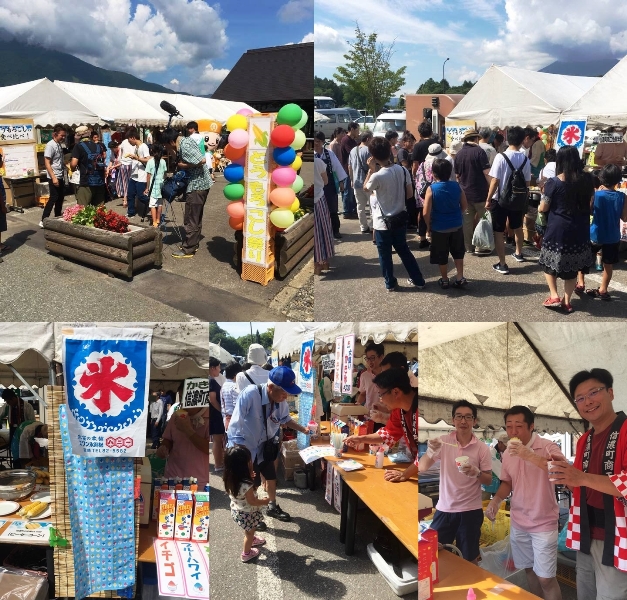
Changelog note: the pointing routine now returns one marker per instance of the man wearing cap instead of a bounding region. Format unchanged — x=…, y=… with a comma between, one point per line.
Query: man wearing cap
x=257, y=357
x=89, y=157
x=259, y=412
x=472, y=167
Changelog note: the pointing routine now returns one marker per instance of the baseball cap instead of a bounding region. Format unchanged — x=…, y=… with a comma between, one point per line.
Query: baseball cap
x=285, y=378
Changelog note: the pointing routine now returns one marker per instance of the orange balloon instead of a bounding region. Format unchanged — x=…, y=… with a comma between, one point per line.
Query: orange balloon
x=237, y=224
x=282, y=197
x=235, y=210
x=234, y=153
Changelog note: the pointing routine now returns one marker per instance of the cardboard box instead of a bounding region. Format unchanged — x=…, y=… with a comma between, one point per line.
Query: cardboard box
x=167, y=512
x=288, y=473
x=183, y=519
x=291, y=459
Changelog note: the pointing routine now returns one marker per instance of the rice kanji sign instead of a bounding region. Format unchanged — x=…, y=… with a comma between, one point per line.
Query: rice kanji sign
x=572, y=133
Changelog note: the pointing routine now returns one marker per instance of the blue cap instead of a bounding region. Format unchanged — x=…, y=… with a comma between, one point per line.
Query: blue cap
x=285, y=378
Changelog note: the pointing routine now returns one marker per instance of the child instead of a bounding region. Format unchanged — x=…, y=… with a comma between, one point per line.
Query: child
x=608, y=208
x=238, y=483
x=444, y=205
x=156, y=201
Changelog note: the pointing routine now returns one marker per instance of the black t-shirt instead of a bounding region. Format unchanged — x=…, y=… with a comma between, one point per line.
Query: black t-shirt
x=421, y=149
x=404, y=155
x=470, y=162
x=92, y=171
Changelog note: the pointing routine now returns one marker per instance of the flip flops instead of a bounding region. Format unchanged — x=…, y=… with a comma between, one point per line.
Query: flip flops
x=567, y=308
x=254, y=553
x=580, y=290
x=552, y=303
x=597, y=294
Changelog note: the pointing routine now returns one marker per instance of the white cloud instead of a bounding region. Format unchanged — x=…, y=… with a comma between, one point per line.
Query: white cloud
x=296, y=10
x=462, y=74
x=208, y=80
x=308, y=38
x=174, y=82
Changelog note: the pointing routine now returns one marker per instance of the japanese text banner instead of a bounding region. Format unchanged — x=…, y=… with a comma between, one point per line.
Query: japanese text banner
x=195, y=393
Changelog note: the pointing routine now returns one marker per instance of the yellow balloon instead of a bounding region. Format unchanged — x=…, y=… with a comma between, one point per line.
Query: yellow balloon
x=295, y=205
x=236, y=122
x=297, y=164
x=282, y=217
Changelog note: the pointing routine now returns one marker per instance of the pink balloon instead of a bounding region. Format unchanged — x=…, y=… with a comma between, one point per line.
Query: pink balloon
x=245, y=111
x=238, y=138
x=242, y=161
x=284, y=176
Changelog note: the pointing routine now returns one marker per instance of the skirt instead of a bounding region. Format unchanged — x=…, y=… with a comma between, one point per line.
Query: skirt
x=247, y=520
x=323, y=232
x=121, y=180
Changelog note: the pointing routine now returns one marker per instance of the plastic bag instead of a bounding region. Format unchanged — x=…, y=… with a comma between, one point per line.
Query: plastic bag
x=497, y=559
x=483, y=236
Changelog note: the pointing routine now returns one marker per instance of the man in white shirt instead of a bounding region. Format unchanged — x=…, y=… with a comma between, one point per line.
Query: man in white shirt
x=137, y=182
x=485, y=133
x=257, y=357
x=500, y=172
x=53, y=159
x=357, y=171
x=156, y=412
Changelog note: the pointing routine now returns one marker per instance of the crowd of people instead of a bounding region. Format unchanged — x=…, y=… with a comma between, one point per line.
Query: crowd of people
x=531, y=468
x=394, y=186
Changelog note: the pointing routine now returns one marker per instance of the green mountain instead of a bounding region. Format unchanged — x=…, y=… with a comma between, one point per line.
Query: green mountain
x=21, y=62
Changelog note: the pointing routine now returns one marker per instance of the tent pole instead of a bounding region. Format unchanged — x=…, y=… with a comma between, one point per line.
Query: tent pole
x=30, y=389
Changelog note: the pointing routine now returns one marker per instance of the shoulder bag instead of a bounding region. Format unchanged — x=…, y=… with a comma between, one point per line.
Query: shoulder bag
x=270, y=446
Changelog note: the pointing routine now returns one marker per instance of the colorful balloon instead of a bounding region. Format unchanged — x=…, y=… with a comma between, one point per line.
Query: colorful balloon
x=284, y=156
x=283, y=176
x=290, y=114
x=234, y=173
x=295, y=205
x=297, y=163
x=297, y=186
x=282, y=136
x=299, y=140
x=245, y=112
x=234, y=191
x=235, y=122
x=282, y=197
x=234, y=153
x=282, y=217
x=238, y=138
x=239, y=161
x=237, y=224
x=236, y=210
x=301, y=123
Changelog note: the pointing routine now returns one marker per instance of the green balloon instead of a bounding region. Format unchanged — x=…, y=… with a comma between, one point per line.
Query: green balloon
x=297, y=186
x=289, y=114
x=234, y=191
x=301, y=123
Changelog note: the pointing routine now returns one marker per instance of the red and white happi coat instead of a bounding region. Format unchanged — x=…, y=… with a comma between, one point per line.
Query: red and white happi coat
x=619, y=479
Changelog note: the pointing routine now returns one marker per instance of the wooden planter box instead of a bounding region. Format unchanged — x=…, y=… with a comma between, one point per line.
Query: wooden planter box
x=290, y=246
x=122, y=254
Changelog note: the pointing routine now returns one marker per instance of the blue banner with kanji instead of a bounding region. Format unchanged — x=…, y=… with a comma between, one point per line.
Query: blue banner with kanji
x=571, y=133
x=107, y=374
x=305, y=366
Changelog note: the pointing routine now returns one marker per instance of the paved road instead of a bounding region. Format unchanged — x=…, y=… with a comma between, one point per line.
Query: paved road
x=207, y=287
x=355, y=286
x=302, y=559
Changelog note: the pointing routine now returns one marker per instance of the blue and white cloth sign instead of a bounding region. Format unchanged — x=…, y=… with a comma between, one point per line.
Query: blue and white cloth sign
x=572, y=133
x=305, y=368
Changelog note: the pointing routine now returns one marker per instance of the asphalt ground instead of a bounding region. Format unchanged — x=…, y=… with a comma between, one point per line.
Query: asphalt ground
x=355, y=286
x=206, y=287
x=302, y=559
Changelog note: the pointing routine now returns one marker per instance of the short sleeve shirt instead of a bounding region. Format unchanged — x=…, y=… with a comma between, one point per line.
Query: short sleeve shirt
x=54, y=153
x=158, y=177
x=421, y=149
x=366, y=385
x=138, y=172
x=80, y=153
x=501, y=171
x=199, y=177
x=319, y=169
x=358, y=160
x=389, y=185
x=470, y=163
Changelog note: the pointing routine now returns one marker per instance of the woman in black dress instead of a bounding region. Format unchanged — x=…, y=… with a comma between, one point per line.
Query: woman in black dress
x=566, y=244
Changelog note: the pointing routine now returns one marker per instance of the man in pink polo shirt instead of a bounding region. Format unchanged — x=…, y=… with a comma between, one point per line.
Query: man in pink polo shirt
x=368, y=391
x=459, y=512
x=534, y=511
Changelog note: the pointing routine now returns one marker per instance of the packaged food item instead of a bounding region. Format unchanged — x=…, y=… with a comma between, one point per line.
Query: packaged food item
x=183, y=520
x=167, y=512
x=200, y=520
x=155, y=499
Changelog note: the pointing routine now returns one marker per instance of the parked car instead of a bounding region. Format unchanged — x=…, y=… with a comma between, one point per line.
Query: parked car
x=335, y=117
x=395, y=121
x=367, y=121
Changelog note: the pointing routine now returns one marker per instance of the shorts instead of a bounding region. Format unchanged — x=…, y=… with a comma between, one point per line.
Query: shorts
x=463, y=528
x=609, y=252
x=443, y=243
x=90, y=194
x=267, y=469
x=596, y=580
x=537, y=551
x=500, y=216
x=247, y=520
x=155, y=202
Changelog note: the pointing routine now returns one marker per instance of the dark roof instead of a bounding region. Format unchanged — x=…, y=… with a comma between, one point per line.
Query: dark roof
x=281, y=73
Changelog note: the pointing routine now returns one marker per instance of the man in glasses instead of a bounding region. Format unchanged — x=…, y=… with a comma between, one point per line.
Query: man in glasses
x=459, y=511
x=597, y=523
x=367, y=389
x=258, y=414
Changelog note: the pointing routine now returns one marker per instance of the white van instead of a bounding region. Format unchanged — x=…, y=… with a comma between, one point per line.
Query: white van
x=335, y=117
x=323, y=102
x=395, y=121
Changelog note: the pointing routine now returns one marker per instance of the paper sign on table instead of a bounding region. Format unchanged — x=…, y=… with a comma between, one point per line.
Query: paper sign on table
x=195, y=571
x=349, y=465
x=337, y=490
x=328, y=492
x=313, y=453
x=169, y=568
x=27, y=531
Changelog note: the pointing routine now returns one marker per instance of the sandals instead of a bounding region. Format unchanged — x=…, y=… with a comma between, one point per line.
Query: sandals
x=443, y=283
x=552, y=302
x=567, y=308
x=460, y=283
x=580, y=290
x=257, y=541
x=597, y=294
x=254, y=553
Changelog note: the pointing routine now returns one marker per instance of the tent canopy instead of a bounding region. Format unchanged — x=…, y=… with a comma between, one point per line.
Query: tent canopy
x=499, y=365
x=603, y=104
x=506, y=96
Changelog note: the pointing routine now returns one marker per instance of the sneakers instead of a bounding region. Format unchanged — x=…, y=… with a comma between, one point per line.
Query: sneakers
x=392, y=289
x=41, y=224
x=418, y=287
x=424, y=244
x=257, y=541
x=254, y=553
x=518, y=257
x=277, y=513
x=502, y=269
x=183, y=254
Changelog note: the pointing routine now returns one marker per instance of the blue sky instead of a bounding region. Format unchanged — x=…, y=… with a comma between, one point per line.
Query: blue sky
x=473, y=33
x=243, y=328
x=188, y=45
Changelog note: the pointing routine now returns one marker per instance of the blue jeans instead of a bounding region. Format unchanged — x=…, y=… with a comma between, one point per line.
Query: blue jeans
x=348, y=198
x=136, y=189
x=386, y=239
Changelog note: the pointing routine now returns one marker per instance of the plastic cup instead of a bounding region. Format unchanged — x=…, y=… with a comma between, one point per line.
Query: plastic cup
x=550, y=466
x=460, y=461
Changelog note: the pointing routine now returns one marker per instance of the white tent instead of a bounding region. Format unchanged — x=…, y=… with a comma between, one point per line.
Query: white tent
x=604, y=103
x=498, y=365
x=506, y=96
x=43, y=102
x=217, y=351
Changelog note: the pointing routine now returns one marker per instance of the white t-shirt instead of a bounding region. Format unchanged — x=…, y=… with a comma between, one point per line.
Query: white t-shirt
x=258, y=374
x=240, y=503
x=319, y=169
x=548, y=171
x=500, y=169
x=126, y=148
x=489, y=150
x=139, y=168
x=389, y=186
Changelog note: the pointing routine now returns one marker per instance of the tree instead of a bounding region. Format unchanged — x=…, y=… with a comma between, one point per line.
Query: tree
x=443, y=87
x=219, y=336
x=367, y=71
x=328, y=87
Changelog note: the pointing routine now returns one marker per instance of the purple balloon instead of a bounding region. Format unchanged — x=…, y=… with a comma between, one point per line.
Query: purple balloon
x=239, y=161
x=245, y=111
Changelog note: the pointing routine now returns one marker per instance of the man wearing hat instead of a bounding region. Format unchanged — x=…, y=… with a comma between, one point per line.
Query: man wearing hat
x=89, y=157
x=259, y=412
x=472, y=167
x=257, y=357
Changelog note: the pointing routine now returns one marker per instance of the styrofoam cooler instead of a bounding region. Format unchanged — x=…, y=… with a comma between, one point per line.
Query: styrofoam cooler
x=407, y=584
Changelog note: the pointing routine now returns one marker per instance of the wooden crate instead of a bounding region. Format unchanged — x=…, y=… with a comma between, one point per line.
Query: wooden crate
x=294, y=244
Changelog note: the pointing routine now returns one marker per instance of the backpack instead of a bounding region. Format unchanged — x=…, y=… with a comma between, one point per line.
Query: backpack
x=95, y=165
x=515, y=194
x=174, y=187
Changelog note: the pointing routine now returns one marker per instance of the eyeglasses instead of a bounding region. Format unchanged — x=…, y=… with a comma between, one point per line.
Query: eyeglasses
x=468, y=418
x=383, y=394
x=590, y=395
x=370, y=358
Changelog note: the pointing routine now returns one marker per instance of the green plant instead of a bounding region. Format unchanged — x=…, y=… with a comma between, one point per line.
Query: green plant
x=86, y=216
